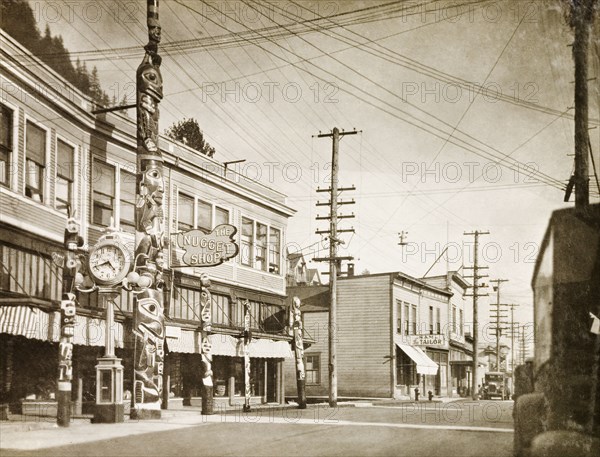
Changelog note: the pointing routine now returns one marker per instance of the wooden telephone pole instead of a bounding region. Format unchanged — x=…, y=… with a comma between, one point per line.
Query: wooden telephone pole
x=333, y=258
x=498, y=317
x=476, y=277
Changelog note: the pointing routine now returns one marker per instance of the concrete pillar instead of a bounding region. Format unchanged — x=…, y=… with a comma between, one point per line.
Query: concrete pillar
x=231, y=381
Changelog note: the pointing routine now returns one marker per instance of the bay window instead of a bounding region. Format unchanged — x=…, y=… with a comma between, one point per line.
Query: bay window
x=260, y=246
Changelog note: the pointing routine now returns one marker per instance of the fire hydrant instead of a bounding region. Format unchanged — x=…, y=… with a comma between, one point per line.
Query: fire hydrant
x=416, y=394
x=430, y=395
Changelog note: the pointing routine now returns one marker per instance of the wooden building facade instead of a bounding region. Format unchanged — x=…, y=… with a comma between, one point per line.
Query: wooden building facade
x=53, y=152
x=394, y=334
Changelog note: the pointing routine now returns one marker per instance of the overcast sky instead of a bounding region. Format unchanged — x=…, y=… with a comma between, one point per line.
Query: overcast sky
x=428, y=160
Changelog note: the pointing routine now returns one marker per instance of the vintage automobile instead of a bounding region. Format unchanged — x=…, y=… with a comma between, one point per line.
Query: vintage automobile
x=496, y=386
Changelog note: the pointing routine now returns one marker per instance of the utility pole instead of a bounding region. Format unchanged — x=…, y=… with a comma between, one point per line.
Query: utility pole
x=512, y=338
x=497, y=316
x=333, y=259
x=582, y=15
x=476, y=277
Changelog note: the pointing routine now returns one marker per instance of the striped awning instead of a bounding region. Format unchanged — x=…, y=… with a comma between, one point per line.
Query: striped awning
x=34, y=323
x=24, y=321
x=230, y=346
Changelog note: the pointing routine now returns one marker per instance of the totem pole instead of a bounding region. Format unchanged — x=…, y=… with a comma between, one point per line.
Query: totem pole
x=71, y=278
x=147, y=275
x=206, y=316
x=247, y=338
x=296, y=328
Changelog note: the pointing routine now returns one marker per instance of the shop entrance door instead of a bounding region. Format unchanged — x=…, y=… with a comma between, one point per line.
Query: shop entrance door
x=271, y=380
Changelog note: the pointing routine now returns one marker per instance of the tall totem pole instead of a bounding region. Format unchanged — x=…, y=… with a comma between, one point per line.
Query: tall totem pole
x=295, y=326
x=147, y=274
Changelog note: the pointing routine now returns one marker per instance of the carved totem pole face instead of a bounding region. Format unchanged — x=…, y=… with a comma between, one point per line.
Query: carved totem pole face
x=149, y=80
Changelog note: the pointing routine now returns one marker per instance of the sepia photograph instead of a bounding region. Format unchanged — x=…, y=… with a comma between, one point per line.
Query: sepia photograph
x=322, y=228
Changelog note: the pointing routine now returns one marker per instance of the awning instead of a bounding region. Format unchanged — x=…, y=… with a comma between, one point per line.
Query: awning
x=182, y=340
x=230, y=346
x=25, y=321
x=424, y=364
x=36, y=324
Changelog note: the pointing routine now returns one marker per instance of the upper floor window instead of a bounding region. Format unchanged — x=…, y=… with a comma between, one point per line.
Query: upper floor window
x=185, y=213
x=461, y=321
x=104, y=192
x=414, y=319
x=274, y=250
x=113, y=195
x=6, y=143
x=193, y=213
x=35, y=162
x=65, y=176
x=127, y=182
x=454, y=319
x=438, y=321
x=398, y=316
x=406, y=321
x=431, y=320
x=260, y=246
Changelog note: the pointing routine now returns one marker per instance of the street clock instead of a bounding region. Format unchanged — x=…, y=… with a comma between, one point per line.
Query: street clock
x=109, y=260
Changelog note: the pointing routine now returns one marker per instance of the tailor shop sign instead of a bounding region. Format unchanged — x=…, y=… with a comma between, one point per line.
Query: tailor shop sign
x=429, y=340
x=208, y=249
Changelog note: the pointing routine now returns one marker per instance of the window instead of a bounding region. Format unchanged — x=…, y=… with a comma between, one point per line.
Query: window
x=438, y=323
x=261, y=247
x=6, y=143
x=113, y=199
x=431, y=320
x=461, y=321
x=414, y=319
x=204, y=216
x=406, y=320
x=194, y=213
x=221, y=216
x=127, y=200
x=313, y=369
x=65, y=175
x=398, y=316
x=104, y=191
x=35, y=162
x=454, y=319
x=185, y=213
x=274, y=250
x=247, y=243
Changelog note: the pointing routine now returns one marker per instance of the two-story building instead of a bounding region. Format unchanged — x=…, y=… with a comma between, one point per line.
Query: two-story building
x=54, y=152
x=393, y=334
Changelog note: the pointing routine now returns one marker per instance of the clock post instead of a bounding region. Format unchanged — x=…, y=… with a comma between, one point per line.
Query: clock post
x=109, y=371
x=109, y=263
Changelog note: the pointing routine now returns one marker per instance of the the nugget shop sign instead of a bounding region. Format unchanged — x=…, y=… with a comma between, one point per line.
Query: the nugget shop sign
x=208, y=249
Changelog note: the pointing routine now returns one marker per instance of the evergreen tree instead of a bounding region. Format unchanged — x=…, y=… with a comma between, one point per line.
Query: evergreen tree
x=188, y=132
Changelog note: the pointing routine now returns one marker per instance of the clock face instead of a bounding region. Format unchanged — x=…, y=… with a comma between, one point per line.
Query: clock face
x=108, y=264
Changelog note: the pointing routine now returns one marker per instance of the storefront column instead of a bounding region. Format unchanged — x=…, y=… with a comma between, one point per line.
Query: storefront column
x=265, y=381
x=79, y=399
x=231, y=381
x=278, y=384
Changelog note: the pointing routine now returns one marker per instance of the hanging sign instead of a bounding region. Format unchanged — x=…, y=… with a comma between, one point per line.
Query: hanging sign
x=208, y=249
